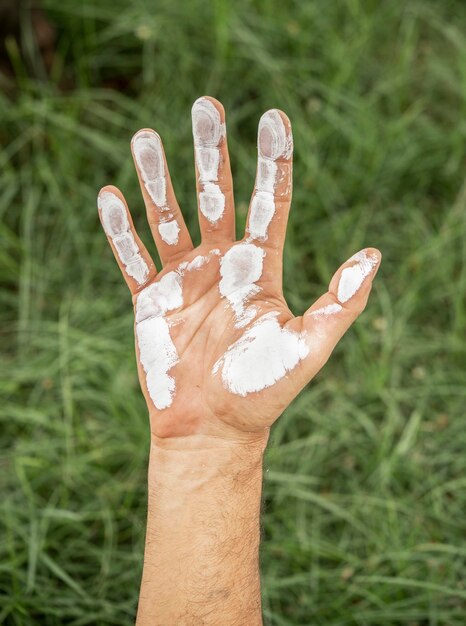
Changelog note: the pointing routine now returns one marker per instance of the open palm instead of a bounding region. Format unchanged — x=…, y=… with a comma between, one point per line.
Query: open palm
x=218, y=350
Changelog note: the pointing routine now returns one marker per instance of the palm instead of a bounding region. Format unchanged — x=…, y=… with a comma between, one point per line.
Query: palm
x=202, y=331
x=218, y=350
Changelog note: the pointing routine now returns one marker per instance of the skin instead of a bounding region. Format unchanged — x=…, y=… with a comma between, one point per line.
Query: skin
x=205, y=468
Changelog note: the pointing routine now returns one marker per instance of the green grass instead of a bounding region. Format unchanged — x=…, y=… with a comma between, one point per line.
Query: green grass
x=364, y=486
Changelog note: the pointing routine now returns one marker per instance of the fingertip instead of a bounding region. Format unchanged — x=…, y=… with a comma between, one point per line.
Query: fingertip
x=208, y=121
x=375, y=253
x=145, y=133
x=284, y=117
x=217, y=104
x=108, y=189
x=274, y=136
x=354, y=277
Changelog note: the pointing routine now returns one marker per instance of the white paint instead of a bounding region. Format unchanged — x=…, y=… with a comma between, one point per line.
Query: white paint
x=261, y=357
x=148, y=152
x=266, y=176
x=273, y=142
x=208, y=131
x=240, y=269
x=196, y=263
x=212, y=202
x=329, y=309
x=208, y=161
x=117, y=227
x=262, y=211
x=353, y=277
x=162, y=296
x=158, y=355
x=157, y=352
x=169, y=232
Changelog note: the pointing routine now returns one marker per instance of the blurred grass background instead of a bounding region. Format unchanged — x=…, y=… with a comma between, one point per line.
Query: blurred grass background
x=364, y=491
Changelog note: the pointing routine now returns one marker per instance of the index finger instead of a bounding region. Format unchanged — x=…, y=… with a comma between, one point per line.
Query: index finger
x=271, y=199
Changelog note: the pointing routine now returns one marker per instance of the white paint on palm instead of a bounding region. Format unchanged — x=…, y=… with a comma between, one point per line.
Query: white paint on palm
x=208, y=132
x=117, y=227
x=240, y=269
x=264, y=354
x=196, y=263
x=157, y=352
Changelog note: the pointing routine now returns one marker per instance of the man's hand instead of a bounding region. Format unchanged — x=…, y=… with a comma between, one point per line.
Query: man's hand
x=220, y=355
x=219, y=352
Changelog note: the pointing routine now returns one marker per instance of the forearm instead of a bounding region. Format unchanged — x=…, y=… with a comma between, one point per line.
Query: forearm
x=201, y=562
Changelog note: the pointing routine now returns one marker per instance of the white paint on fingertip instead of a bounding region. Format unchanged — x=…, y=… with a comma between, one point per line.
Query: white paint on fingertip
x=273, y=140
x=148, y=152
x=264, y=354
x=208, y=128
x=169, y=232
x=240, y=269
x=208, y=131
x=329, y=309
x=352, y=277
x=117, y=227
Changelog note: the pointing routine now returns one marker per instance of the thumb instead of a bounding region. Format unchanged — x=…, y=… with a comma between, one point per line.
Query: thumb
x=327, y=320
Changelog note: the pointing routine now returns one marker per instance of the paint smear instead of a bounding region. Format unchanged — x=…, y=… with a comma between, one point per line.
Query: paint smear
x=158, y=354
x=262, y=211
x=196, y=263
x=329, y=309
x=240, y=269
x=212, y=202
x=117, y=227
x=273, y=143
x=169, y=232
x=208, y=132
x=261, y=357
x=353, y=277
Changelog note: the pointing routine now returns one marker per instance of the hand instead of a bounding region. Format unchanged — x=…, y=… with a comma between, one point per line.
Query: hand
x=219, y=352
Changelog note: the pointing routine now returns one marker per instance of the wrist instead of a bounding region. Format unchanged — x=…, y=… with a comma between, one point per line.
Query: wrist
x=197, y=459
